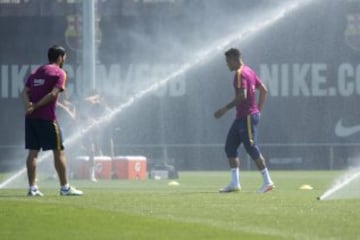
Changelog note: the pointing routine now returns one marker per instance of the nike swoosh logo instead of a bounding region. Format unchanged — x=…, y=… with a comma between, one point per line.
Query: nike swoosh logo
x=342, y=131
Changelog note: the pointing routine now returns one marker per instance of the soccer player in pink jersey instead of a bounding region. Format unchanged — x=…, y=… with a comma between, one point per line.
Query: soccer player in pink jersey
x=42, y=131
x=244, y=127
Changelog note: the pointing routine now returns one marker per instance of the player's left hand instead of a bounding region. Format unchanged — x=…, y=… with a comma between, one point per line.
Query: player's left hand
x=220, y=112
x=29, y=108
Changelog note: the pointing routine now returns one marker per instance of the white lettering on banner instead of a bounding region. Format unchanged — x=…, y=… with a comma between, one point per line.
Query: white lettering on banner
x=12, y=78
x=282, y=80
x=115, y=79
x=318, y=75
x=285, y=83
x=109, y=76
x=300, y=84
x=4, y=81
x=345, y=75
x=18, y=74
x=310, y=80
x=270, y=76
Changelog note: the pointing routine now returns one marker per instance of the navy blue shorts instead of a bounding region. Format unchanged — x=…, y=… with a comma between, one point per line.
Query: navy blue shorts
x=243, y=131
x=42, y=134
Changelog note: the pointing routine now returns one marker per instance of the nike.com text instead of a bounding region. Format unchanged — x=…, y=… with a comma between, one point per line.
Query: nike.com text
x=311, y=80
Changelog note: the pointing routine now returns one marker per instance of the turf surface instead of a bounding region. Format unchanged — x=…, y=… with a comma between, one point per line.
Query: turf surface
x=151, y=209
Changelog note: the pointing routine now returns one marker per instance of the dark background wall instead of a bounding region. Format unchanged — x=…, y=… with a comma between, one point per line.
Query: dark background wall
x=308, y=59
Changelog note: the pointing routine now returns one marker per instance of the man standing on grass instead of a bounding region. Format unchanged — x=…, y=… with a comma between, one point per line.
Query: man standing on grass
x=244, y=127
x=42, y=131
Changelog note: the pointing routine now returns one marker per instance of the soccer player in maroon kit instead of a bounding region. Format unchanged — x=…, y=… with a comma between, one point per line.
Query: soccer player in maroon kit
x=42, y=131
x=244, y=127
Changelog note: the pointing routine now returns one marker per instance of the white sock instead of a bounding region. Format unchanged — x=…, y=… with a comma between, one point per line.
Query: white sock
x=266, y=176
x=65, y=187
x=235, y=179
x=33, y=188
x=92, y=173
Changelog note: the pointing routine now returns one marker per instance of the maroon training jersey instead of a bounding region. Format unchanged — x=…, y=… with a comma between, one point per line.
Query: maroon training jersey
x=247, y=79
x=42, y=82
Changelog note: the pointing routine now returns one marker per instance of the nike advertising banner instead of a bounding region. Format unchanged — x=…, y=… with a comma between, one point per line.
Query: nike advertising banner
x=307, y=56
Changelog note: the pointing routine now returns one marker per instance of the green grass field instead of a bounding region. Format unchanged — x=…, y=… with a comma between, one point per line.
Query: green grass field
x=151, y=209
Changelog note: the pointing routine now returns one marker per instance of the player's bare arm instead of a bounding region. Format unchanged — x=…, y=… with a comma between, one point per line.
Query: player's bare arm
x=240, y=97
x=262, y=96
x=28, y=106
x=71, y=113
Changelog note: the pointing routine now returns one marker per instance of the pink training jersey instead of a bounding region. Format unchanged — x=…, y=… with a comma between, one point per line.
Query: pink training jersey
x=42, y=82
x=247, y=79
